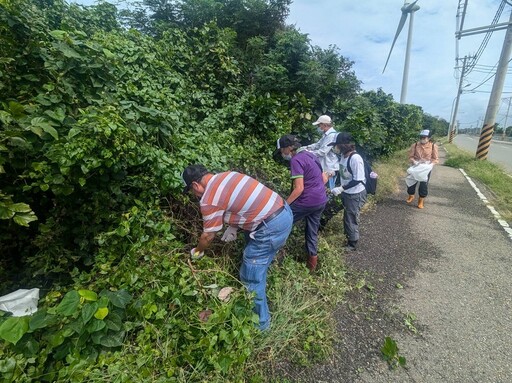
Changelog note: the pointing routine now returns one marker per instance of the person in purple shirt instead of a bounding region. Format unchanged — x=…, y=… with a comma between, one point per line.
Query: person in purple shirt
x=308, y=197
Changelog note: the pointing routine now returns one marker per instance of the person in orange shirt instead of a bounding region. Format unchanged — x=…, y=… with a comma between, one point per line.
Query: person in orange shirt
x=422, y=152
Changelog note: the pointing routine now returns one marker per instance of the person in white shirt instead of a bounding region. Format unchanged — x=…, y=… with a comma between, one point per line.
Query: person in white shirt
x=328, y=159
x=352, y=189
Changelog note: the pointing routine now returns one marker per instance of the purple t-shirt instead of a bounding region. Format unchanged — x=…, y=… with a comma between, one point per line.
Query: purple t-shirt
x=306, y=165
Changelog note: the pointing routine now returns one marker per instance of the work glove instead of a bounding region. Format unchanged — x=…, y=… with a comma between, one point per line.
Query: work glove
x=337, y=191
x=195, y=255
x=230, y=234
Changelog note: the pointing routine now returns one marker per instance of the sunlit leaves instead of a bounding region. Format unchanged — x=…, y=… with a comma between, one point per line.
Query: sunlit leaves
x=20, y=213
x=101, y=313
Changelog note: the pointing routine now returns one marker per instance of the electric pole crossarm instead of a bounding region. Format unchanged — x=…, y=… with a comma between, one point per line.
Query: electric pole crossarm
x=488, y=28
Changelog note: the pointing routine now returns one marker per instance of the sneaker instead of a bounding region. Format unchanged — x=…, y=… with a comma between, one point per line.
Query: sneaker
x=351, y=246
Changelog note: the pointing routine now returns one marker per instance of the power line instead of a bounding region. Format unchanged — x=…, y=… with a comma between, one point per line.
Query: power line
x=487, y=79
x=488, y=35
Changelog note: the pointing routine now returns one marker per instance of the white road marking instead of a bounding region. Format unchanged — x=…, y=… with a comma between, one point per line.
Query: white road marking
x=497, y=215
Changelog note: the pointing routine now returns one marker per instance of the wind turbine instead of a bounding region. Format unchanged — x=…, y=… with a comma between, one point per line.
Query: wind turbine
x=407, y=8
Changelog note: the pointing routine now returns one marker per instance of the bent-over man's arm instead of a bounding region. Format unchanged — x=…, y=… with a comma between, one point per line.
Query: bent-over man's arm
x=204, y=241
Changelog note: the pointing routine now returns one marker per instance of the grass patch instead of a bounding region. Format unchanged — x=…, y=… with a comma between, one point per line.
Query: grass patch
x=497, y=182
x=390, y=171
x=302, y=329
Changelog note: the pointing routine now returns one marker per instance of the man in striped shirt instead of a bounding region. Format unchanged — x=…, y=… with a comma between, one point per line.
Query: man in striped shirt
x=242, y=203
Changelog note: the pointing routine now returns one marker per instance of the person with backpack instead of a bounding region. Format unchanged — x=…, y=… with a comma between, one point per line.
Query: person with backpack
x=423, y=152
x=352, y=189
x=308, y=197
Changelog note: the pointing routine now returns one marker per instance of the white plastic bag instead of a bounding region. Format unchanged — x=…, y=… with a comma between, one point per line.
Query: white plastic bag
x=20, y=302
x=417, y=173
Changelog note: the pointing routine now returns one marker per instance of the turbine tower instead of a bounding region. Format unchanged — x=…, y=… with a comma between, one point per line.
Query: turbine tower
x=408, y=8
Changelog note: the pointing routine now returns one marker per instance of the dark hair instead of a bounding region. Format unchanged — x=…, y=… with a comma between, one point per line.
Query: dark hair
x=193, y=173
x=352, y=146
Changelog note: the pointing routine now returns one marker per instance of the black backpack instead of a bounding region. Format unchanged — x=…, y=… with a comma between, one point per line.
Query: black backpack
x=370, y=182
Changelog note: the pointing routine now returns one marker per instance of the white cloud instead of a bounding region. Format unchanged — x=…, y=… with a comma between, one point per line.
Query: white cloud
x=364, y=31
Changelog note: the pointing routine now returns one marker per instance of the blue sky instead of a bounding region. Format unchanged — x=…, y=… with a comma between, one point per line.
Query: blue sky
x=364, y=29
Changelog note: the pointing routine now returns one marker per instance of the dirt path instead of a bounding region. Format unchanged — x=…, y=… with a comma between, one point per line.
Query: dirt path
x=449, y=266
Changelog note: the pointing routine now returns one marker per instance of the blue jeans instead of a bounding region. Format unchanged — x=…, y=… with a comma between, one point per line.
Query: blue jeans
x=331, y=182
x=262, y=245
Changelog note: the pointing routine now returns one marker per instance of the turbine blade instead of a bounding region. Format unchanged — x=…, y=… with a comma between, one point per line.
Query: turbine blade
x=401, y=24
x=409, y=6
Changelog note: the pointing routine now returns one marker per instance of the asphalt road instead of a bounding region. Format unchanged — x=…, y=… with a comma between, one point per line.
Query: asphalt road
x=461, y=294
x=499, y=152
x=449, y=266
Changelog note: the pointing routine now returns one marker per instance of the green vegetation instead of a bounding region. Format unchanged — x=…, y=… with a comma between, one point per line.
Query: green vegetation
x=390, y=354
x=100, y=111
x=409, y=320
x=499, y=184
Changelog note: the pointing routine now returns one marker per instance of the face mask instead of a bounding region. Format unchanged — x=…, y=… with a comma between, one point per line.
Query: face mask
x=319, y=130
x=423, y=140
x=336, y=149
x=287, y=157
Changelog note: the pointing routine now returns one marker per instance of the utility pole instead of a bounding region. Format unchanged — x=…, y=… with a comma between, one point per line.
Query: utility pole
x=459, y=92
x=506, y=118
x=497, y=88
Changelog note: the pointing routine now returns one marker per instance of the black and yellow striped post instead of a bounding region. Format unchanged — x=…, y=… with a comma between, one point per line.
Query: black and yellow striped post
x=485, y=142
x=452, y=135
x=494, y=99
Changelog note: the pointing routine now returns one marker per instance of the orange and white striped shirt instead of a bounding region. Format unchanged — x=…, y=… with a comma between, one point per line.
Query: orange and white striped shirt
x=237, y=200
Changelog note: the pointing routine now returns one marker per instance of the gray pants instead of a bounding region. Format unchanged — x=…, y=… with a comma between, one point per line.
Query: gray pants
x=352, y=204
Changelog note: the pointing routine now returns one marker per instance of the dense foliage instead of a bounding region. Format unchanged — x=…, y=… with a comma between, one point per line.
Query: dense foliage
x=100, y=111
